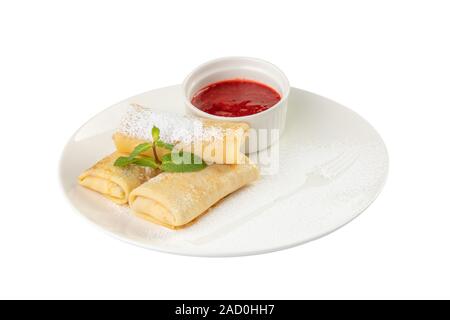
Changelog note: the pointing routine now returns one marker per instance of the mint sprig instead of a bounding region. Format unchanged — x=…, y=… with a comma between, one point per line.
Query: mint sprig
x=171, y=162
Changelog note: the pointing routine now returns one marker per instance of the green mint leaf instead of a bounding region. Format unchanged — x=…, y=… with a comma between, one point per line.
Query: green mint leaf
x=139, y=149
x=164, y=145
x=166, y=158
x=155, y=134
x=146, y=162
x=142, y=162
x=189, y=163
x=171, y=167
x=123, y=161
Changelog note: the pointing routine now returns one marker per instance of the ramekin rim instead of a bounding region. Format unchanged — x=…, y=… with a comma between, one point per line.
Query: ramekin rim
x=215, y=117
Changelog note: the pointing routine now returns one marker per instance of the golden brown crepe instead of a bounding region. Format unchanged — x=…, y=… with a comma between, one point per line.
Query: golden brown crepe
x=213, y=141
x=113, y=182
x=175, y=199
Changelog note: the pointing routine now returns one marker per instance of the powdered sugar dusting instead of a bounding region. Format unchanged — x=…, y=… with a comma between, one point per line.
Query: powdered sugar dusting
x=139, y=121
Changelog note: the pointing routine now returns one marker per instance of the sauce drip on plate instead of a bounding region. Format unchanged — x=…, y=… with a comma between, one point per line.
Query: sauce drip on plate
x=235, y=98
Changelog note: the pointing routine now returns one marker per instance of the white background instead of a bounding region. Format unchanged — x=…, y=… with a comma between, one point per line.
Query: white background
x=62, y=62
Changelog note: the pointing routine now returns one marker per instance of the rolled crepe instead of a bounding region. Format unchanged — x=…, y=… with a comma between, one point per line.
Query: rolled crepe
x=175, y=199
x=113, y=182
x=213, y=141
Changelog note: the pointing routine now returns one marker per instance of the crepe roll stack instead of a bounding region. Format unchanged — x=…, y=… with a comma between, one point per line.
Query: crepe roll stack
x=115, y=183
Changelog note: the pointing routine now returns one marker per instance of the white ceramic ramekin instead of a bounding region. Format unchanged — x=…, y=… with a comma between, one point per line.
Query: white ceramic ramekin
x=271, y=120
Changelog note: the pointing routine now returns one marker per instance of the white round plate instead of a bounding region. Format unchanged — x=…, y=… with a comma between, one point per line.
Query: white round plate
x=333, y=164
